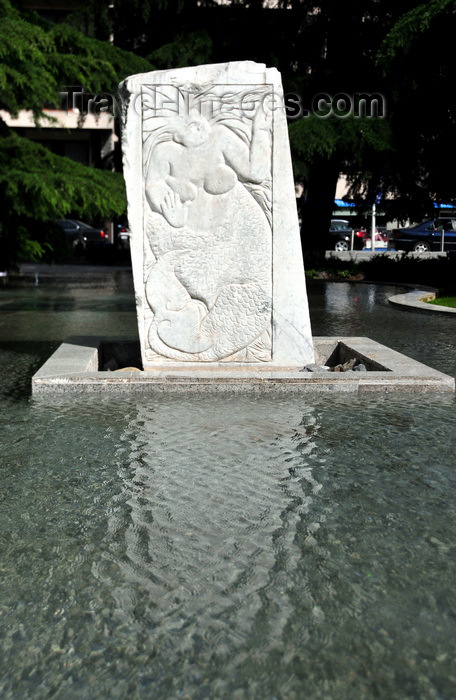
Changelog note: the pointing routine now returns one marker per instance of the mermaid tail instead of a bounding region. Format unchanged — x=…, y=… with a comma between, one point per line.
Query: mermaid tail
x=184, y=329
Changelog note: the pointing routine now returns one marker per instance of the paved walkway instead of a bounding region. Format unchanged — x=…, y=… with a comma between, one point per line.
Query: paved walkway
x=367, y=254
x=415, y=301
x=31, y=269
x=37, y=273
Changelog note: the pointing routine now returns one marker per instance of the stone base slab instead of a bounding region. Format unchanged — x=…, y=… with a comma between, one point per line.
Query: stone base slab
x=74, y=367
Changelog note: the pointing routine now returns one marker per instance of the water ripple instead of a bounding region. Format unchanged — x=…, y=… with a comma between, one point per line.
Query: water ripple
x=206, y=522
x=226, y=547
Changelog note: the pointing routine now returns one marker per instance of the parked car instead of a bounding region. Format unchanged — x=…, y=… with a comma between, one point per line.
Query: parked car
x=340, y=236
x=83, y=236
x=426, y=236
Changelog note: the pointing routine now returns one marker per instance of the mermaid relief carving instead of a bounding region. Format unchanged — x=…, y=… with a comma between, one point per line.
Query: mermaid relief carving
x=208, y=234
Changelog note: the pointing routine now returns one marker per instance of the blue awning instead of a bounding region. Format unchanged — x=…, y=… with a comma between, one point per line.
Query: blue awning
x=341, y=203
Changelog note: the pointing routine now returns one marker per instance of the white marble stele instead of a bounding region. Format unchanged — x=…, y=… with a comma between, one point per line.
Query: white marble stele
x=216, y=254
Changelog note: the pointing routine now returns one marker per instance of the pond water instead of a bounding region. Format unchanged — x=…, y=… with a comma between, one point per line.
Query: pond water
x=225, y=546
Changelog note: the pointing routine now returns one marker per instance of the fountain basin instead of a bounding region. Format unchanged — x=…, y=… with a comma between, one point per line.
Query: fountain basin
x=75, y=367
x=224, y=545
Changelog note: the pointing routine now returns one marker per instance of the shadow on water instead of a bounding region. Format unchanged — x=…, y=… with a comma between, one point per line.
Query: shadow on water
x=19, y=362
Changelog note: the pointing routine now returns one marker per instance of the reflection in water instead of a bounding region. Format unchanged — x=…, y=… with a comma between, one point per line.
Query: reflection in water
x=371, y=296
x=337, y=297
x=348, y=299
x=204, y=530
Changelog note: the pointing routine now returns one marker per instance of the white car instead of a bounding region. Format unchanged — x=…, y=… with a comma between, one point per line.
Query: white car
x=380, y=240
x=123, y=235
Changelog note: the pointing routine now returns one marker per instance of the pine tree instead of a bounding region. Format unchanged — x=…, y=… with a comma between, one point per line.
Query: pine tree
x=36, y=58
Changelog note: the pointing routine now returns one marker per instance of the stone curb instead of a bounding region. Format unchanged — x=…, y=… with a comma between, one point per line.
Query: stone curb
x=415, y=301
x=74, y=368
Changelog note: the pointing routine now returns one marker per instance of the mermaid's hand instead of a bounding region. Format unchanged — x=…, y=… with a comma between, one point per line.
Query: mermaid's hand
x=174, y=211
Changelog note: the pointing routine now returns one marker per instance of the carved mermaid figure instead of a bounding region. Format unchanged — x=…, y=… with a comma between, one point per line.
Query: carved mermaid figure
x=209, y=284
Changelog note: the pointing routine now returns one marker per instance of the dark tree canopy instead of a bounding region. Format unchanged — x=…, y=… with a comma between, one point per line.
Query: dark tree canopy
x=375, y=47
x=416, y=57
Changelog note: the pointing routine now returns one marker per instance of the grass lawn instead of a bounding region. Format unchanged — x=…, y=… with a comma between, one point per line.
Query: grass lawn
x=444, y=301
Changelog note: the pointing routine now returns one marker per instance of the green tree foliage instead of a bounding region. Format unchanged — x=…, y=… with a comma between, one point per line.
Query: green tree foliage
x=30, y=173
x=36, y=58
x=35, y=186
